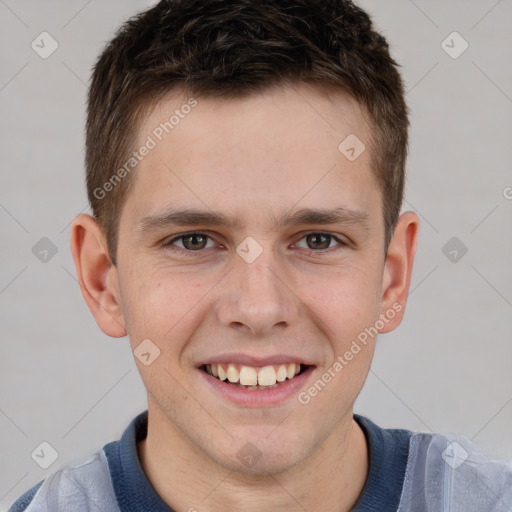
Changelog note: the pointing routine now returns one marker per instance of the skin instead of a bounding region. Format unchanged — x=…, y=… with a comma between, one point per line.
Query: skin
x=252, y=159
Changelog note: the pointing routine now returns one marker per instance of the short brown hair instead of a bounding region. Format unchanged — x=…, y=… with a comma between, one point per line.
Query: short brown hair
x=229, y=48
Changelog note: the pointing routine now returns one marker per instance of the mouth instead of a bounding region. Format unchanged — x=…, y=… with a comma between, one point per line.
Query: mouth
x=255, y=378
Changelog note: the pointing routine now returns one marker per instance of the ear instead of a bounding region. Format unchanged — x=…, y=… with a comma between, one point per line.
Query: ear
x=97, y=276
x=398, y=270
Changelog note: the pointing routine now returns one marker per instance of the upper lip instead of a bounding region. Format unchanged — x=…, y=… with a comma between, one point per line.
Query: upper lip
x=250, y=360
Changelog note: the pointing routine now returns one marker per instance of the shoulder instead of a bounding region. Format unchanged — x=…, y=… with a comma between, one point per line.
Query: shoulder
x=21, y=504
x=431, y=472
x=388, y=451
x=76, y=488
x=447, y=470
x=388, y=447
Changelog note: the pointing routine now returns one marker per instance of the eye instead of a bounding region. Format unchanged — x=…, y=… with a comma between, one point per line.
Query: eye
x=320, y=242
x=191, y=242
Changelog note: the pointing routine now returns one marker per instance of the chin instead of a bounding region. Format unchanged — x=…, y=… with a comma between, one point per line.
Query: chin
x=268, y=464
x=261, y=456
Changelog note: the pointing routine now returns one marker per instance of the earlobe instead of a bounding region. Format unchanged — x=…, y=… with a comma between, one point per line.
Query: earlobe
x=398, y=270
x=96, y=275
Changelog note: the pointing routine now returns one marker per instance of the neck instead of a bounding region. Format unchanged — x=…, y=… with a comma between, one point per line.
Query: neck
x=330, y=479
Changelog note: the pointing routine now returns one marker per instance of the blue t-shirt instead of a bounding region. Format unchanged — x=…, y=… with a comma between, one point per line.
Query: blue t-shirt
x=408, y=472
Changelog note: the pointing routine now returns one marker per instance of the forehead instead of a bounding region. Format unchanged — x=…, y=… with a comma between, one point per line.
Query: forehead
x=255, y=156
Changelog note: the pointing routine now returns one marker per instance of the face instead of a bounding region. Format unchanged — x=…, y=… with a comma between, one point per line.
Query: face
x=251, y=245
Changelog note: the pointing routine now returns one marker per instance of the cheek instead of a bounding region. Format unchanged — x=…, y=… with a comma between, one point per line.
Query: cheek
x=346, y=302
x=166, y=312
x=348, y=315
x=162, y=308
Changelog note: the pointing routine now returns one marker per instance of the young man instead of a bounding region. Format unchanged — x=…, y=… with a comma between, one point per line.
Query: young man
x=245, y=167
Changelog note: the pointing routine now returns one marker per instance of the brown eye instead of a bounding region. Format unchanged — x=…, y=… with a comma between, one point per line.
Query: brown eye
x=318, y=241
x=191, y=242
x=194, y=242
x=321, y=243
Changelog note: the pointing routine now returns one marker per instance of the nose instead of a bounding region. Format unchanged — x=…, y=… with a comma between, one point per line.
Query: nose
x=258, y=298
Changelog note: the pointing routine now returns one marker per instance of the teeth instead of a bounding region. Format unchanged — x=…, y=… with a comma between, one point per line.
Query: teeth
x=267, y=376
x=248, y=376
x=220, y=371
x=281, y=373
x=253, y=378
x=232, y=373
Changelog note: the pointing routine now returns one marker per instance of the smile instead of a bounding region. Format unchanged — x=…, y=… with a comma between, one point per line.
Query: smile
x=249, y=381
x=250, y=377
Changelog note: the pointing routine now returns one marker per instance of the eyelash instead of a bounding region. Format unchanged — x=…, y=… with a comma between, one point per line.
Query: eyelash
x=189, y=252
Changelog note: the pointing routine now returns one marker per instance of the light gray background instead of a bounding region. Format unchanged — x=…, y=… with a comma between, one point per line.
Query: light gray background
x=447, y=368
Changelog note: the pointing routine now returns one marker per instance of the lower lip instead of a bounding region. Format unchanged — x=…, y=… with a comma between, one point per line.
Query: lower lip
x=258, y=397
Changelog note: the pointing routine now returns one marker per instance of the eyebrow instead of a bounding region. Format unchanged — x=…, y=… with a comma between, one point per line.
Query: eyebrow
x=194, y=217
